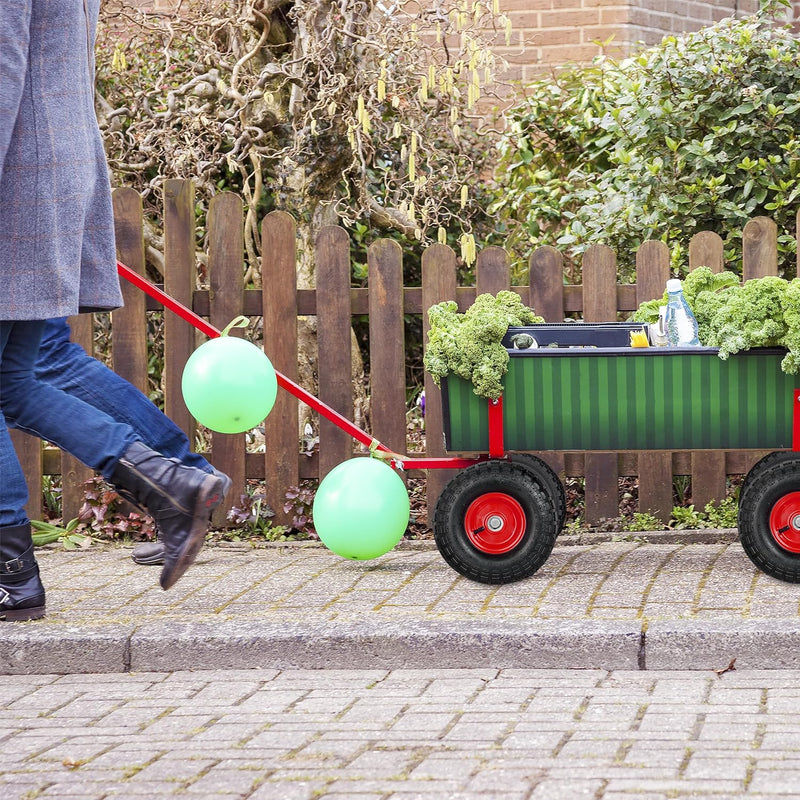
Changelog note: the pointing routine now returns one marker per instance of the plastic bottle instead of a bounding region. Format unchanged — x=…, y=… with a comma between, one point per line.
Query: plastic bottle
x=681, y=324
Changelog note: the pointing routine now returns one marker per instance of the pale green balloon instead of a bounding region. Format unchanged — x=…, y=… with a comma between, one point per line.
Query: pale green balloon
x=229, y=385
x=361, y=509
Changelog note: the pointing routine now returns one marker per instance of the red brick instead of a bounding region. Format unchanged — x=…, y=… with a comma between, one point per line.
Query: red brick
x=612, y=16
x=570, y=55
x=562, y=19
x=524, y=19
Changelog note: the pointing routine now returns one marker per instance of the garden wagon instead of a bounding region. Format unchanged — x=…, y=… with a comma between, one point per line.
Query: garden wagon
x=582, y=387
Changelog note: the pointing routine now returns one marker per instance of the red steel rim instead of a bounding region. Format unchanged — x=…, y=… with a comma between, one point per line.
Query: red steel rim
x=784, y=522
x=495, y=523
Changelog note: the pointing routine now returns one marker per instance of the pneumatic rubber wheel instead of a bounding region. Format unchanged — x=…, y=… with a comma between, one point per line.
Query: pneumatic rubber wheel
x=769, y=519
x=768, y=461
x=548, y=480
x=494, y=523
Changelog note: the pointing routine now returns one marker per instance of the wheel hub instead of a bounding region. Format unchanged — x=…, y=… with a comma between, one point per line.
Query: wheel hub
x=495, y=523
x=784, y=522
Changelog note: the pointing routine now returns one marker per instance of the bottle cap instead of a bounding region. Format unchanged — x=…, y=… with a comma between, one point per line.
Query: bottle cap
x=673, y=285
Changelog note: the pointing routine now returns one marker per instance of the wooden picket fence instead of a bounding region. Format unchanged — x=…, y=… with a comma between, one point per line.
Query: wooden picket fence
x=600, y=298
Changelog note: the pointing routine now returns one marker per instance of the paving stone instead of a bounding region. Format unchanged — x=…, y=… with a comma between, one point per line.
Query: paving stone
x=561, y=746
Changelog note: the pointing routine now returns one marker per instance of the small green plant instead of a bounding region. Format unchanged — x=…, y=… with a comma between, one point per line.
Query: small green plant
x=103, y=514
x=643, y=521
x=70, y=537
x=684, y=517
x=722, y=515
x=51, y=495
x=253, y=512
x=299, y=503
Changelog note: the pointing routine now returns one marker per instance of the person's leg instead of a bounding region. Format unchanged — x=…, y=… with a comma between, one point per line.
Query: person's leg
x=42, y=410
x=179, y=498
x=66, y=366
x=22, y=595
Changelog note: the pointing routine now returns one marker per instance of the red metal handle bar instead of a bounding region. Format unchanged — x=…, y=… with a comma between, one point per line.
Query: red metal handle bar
x=397, y=460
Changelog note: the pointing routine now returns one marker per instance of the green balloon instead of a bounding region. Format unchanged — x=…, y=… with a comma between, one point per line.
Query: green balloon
x=361, y=509
x=229, y=385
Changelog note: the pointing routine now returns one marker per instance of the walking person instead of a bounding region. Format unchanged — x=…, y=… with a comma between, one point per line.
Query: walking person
x=57, y=258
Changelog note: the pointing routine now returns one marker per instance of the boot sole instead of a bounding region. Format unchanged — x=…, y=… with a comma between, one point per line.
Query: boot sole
x=208, y=497
x=148, y=561
x=22, y=614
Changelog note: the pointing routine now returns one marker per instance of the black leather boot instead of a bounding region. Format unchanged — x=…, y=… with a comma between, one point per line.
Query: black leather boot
x=21, y=590
x=152, y=553
x=180, y=500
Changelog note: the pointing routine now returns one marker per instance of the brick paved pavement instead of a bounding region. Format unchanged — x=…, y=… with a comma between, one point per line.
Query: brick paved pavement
x=606, y=604
x=401, y=734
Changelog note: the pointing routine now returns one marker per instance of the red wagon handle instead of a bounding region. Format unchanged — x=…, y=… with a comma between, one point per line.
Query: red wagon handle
x=376, y=447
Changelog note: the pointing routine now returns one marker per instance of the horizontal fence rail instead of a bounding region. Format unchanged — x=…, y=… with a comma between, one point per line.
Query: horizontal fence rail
x=333, y=303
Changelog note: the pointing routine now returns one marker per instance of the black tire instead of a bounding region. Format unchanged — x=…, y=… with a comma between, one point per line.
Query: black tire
x=769, y=519
x=768, y=461
x=548, y=480
x=502, y=493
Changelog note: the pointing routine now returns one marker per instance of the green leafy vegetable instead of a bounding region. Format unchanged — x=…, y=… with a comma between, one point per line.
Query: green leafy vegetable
x=699, y=280
x=469, y=344
x=762, y=312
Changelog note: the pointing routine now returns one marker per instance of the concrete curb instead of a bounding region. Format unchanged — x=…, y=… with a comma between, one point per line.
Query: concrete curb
x=538, y=644
x=713, y=644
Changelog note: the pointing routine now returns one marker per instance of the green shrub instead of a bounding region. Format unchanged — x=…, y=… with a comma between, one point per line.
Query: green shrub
x=697, y=133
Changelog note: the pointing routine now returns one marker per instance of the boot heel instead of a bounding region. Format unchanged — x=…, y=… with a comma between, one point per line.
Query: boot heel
x=22, y=614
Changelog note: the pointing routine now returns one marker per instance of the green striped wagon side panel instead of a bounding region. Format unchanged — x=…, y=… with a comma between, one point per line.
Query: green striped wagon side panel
x=647, y=401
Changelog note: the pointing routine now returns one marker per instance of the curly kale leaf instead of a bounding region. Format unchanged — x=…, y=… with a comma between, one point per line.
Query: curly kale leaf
x=790, y=305
x=700, y=280
x=469, y=344
x=751, y=316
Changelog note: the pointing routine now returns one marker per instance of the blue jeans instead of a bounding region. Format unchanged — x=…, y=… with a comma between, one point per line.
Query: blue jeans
x=36, y=407
x=66, y=366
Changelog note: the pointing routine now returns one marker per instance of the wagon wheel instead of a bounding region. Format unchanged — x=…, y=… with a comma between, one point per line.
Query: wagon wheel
x=769, y=460
x=548, y=480
x=769, y=519
x=493, y=523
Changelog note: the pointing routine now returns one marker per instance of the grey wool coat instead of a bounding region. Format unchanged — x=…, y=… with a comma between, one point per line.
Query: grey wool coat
x=57, y=251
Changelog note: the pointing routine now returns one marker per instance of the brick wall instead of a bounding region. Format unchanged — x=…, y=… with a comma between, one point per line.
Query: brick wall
x=551, y=33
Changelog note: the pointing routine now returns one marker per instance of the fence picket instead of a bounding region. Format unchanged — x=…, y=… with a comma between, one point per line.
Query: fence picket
x=387, y=344
x=708, y=466
x=546, y=281
x=600, y=305
x=759, y=248
x=226, y=278
x=179, y=282
x=334, y=343
x=128, y=346
x=655, y=468
x=74, y=474
x=438, y=284
x=706, y=250
x=759, y=259
x=492, y=271
x=29, y=453
x=279, y=304
x=546, y=298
